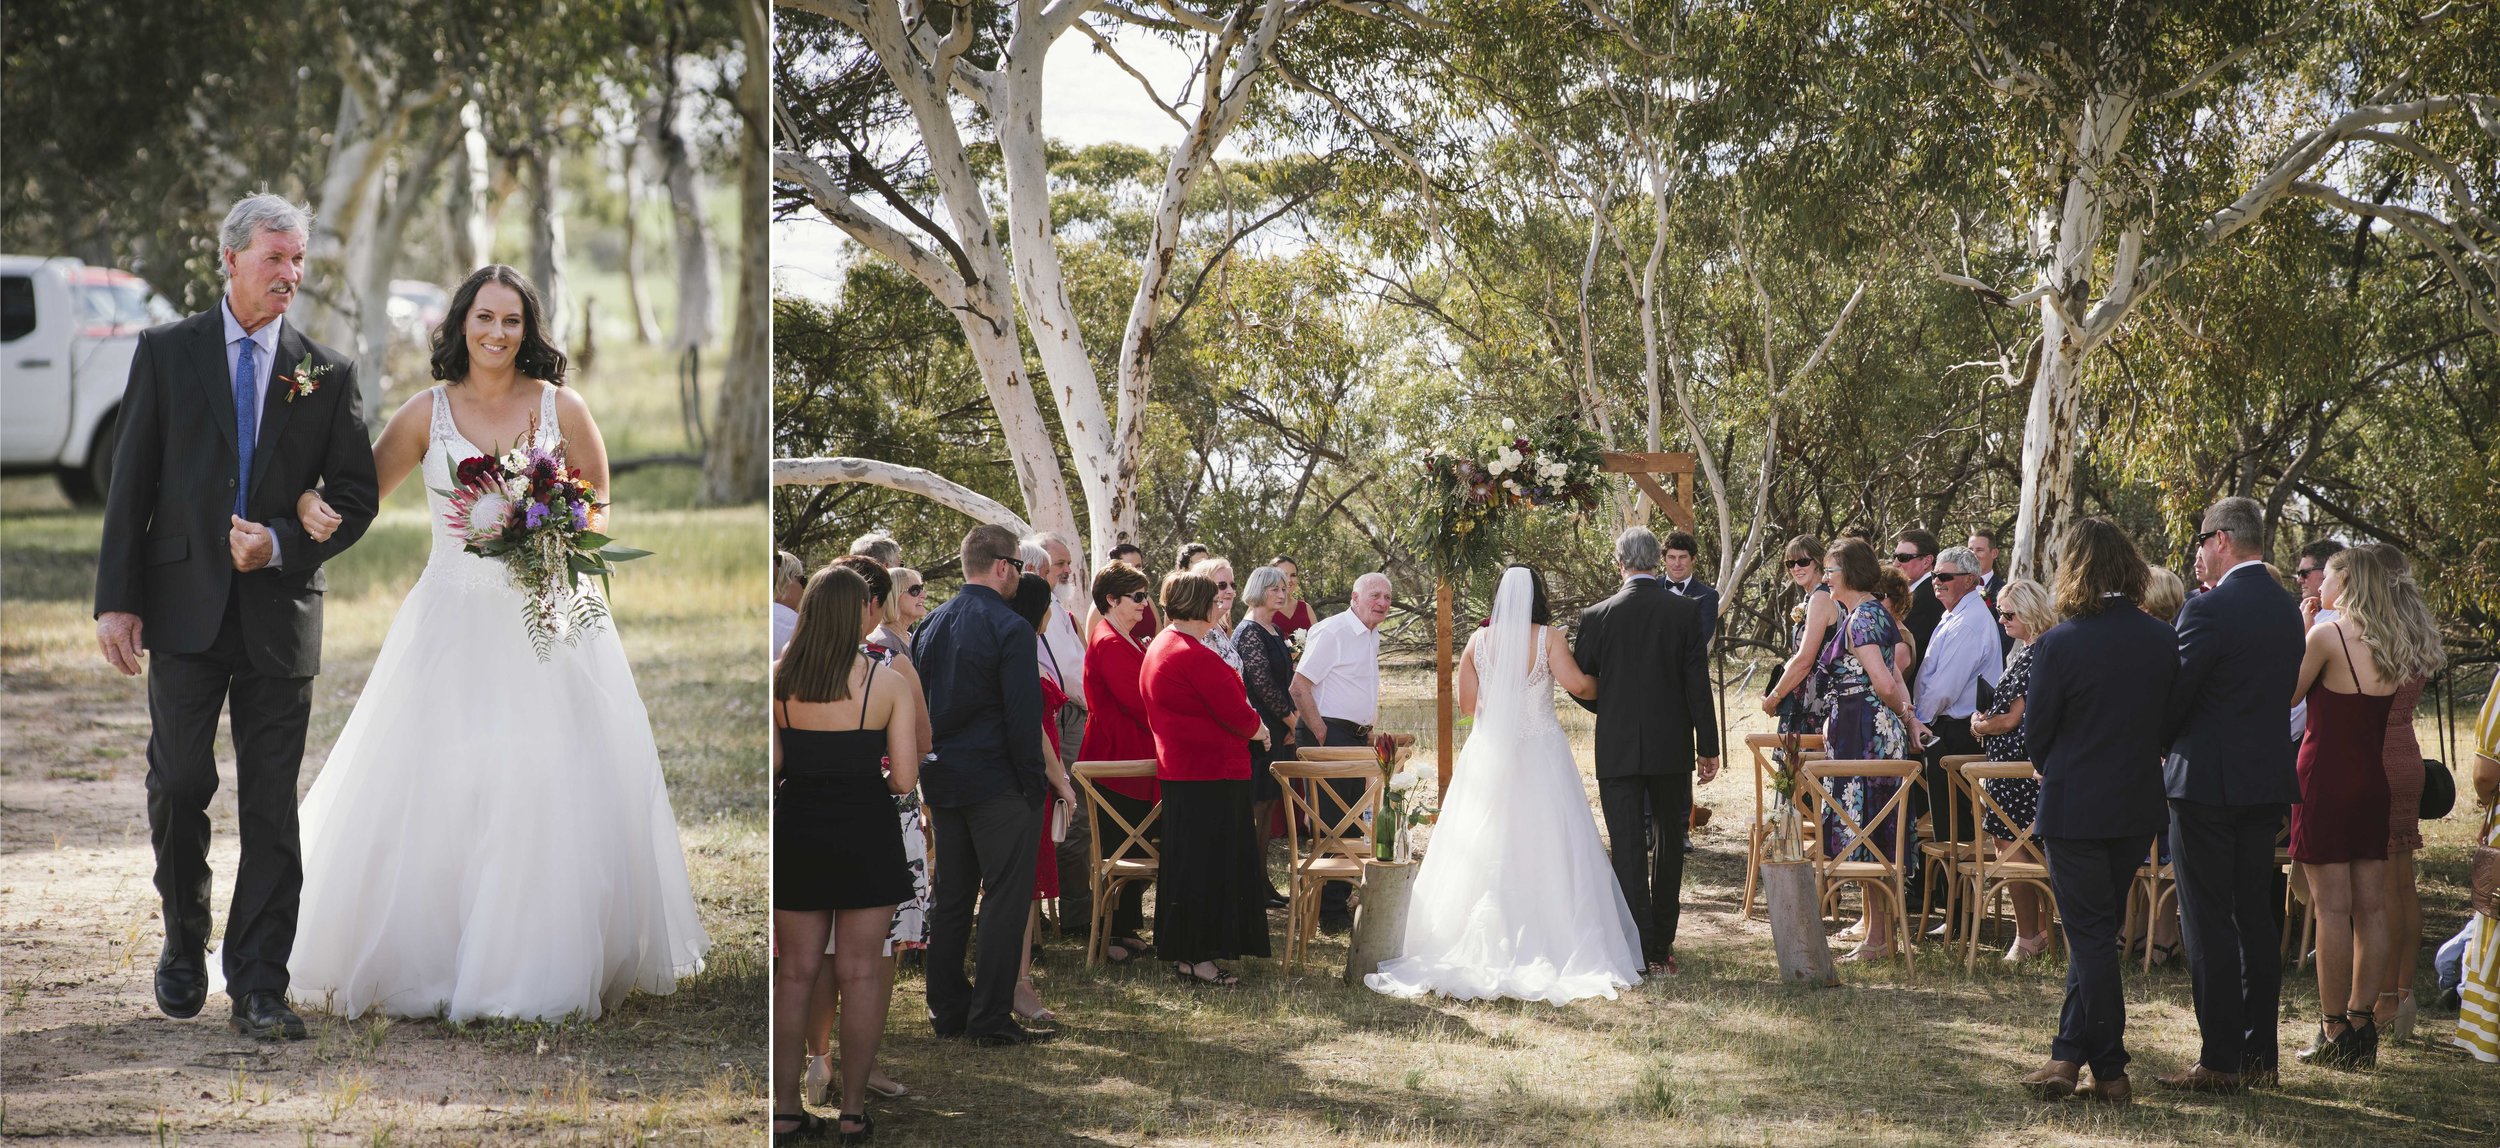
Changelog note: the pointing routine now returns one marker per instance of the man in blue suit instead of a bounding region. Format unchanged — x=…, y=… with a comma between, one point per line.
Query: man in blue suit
x=2095, y=679
x=2231, y=785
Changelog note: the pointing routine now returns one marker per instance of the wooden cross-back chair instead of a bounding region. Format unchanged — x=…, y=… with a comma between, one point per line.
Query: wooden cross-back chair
x=1992, y=872
x=1326, y=833
x=2156, y=887
x=1879, y=881
x=1763, y=746
x=1132, y=856
x=1939, y=856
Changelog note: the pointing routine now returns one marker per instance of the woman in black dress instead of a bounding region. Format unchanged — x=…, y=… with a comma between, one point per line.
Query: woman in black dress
x=1267, y=672
x=842, y=747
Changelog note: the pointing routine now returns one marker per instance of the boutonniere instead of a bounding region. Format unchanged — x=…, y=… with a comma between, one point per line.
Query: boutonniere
x=306, y=379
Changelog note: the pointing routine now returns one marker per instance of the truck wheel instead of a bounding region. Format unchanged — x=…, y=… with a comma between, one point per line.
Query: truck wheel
x=86, y=485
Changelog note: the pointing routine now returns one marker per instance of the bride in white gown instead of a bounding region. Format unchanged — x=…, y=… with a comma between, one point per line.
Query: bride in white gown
x=1515, y=898
x=491, y=836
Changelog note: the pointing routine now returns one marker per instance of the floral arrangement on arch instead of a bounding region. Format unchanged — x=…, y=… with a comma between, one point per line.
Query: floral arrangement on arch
x=1555, y=465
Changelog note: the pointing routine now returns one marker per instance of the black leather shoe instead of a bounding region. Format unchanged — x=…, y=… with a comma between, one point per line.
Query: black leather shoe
x=264, y=1016
x=1013, y=1034
x=181, y=982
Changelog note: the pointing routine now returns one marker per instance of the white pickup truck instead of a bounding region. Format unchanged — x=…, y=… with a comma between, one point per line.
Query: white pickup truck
x=67, y=332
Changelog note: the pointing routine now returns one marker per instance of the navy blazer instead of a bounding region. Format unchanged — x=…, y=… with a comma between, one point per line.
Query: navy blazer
x=2096, y=682
x=1701, y=594
x=2229, y=718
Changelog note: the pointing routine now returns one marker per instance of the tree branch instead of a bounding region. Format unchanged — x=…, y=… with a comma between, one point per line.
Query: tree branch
x=895, y=476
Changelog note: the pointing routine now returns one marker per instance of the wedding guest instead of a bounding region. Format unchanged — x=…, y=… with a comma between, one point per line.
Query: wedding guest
x=2340, y=828
x=842, y=745
x=1893, y=589
x=1794, y=697
x=1033, y=602
x=1116, y=730
x=1914, y=555
x=2309, y=577
x=1296, y=616
x=1213, y=901
x=2164, y=593
x=1679, y=550
x=879, y=545
x=789, y=583
x=2230, y=784
x=2026, y=612
x=2478, y=967
x=985, y=791
x=1126, y=552
x=1267, y=673
x=1338, y=683
x=904, y=610
x=1871, y=715
x=2405, y=615
x=910, y=927
x=1960, y=656
x=1063, y=662
x=2094, y=678
x=1982, y=543
x=1190, y=553
x=1220, y=639
x=1147, y=623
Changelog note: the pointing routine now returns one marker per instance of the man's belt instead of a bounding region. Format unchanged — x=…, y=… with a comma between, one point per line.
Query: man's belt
x=1360, y=730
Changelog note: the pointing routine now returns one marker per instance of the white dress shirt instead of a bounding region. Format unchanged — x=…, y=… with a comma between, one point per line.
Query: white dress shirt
x=265, y=356
x=1960, y=653
x=1341, y=657
x=1063, y=651
x=785, y=623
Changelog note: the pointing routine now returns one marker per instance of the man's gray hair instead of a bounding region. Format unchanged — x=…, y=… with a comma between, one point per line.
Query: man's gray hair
x=1261, y=580
x=254, y=214
x=1034, y=556
x=1637, y=549
x=1375, y=578
x=881, y=546
x=1050, y=537
x=787, y=569
x=1959, y=559
x=2243, y=519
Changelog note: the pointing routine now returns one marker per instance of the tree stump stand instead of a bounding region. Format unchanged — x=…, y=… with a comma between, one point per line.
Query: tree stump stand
x=1805, y=954
x=1379, y=917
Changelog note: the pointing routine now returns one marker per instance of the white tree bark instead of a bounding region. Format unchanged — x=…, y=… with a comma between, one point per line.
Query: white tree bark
x=745, y=412
x=546, y=181
x=465, y=230
x=895, y=476
x=698, y=265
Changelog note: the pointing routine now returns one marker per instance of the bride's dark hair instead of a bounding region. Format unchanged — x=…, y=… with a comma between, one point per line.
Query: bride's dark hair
x=539, y=359
x=1538, y=613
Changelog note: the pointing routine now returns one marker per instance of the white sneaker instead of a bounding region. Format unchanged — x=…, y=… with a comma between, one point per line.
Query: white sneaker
x=816, y=1087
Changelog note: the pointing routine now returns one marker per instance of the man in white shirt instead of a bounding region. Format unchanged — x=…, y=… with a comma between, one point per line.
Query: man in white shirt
x=1339, y=680
x=789, y=585
x=1960, y=654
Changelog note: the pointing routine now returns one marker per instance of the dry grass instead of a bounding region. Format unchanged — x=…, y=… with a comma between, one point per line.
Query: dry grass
x=1722, y=1055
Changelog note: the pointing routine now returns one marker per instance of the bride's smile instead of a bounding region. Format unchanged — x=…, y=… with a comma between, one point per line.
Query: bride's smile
x=494, y=329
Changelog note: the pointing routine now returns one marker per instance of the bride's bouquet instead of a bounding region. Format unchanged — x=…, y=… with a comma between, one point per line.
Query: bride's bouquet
x=528, y=509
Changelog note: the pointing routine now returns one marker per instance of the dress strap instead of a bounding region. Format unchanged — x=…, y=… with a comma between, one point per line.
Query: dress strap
x=549, y=435
x=866, y=684
x=444, y=431
x=781, y=710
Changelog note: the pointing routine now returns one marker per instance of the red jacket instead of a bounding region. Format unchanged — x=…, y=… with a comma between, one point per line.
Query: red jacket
x=1115, y=717
x=1199, y=711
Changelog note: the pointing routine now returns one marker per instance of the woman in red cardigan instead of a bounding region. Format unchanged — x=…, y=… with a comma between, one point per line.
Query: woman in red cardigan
x=1115, y=729
x=1213, y=900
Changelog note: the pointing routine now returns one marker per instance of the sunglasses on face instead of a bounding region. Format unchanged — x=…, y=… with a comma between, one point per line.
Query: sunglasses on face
x=1223, y=585
x=916, y=591
x=1907, y=556
x=2207, y=536
x=2306, y=571
x=1800, y=563
x=1947, y=577
x=1137, y=596
x=1018, y=563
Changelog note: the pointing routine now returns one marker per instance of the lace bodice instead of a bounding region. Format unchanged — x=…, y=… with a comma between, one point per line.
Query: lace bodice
x=445, y=447
x=1539, y=686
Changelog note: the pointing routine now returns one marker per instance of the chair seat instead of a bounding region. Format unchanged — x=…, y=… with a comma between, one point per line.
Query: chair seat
x=2010, y=870
x=1842, y=869
x=1131, y=868
x=1329, y=867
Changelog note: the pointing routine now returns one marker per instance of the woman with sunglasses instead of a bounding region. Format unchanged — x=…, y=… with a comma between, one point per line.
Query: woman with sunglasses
x=1220, y=639
x=1793, y=698
x=1116, y=730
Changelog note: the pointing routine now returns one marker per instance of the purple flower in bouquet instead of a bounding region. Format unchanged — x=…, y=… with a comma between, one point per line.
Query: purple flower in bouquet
x=535, y=516
x=581, y=515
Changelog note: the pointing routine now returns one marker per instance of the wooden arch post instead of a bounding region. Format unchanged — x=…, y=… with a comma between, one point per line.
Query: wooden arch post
x=1674, y=496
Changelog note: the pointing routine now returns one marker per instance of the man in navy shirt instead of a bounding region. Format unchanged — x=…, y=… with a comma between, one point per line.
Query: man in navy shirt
x=981, y=670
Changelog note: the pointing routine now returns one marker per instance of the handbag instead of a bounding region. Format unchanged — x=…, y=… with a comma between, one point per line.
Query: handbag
x=2439, y=789
x=2486, y=879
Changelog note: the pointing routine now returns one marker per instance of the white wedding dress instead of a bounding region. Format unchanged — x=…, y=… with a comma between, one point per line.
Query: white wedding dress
x=1515, y=897
x=491, y=836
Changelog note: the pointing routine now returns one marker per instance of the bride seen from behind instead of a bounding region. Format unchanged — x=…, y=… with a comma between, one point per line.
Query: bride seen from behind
x=1516, y=897
x=491, y=836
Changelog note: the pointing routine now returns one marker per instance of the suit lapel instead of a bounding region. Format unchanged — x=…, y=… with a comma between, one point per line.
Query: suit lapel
x=274, y=409
x=207, y=354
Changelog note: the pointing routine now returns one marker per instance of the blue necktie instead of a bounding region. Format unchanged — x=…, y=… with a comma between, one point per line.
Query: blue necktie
x=246, y=418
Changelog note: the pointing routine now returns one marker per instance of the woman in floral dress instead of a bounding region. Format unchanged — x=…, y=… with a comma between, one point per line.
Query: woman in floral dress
x=1868, y=701
x=2027, y=611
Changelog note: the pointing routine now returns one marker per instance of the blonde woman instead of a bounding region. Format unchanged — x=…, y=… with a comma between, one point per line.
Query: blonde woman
x=2408, y=620
x=2164, y=594
x=2350, y=674
x=2026, y=611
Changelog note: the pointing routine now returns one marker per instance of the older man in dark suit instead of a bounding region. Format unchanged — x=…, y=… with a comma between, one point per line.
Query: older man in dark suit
x=1654, y=726
x=2231, y=784
x=2096, y=679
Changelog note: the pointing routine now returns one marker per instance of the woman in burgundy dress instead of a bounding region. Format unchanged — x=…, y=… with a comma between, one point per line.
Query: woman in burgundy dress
x=2350, y=673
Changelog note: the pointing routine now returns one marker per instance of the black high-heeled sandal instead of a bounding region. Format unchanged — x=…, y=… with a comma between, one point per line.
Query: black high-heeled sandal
x=2330, y=1049
x=2363, y=1038
x=810, y=1127
x=867, y=1128
x=1221, y=979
